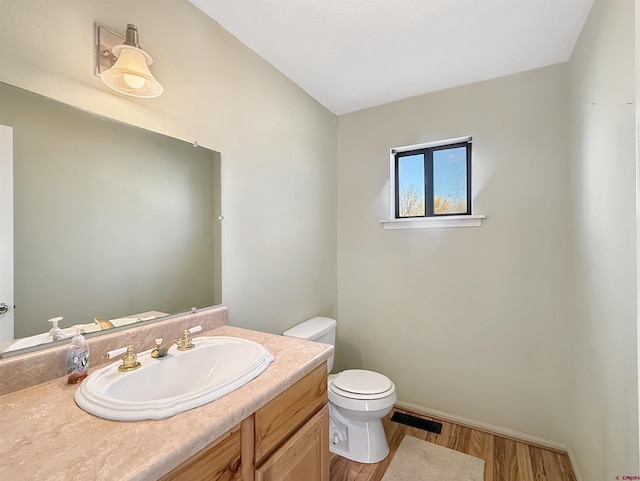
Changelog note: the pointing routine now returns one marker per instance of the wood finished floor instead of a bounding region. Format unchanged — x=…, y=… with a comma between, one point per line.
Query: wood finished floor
x=505, y=459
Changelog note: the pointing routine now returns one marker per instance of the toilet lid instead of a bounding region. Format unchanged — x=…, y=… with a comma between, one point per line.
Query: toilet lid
x=359, y=381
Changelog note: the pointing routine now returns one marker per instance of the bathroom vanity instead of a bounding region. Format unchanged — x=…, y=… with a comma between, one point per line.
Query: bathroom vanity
x=286, y=440
x=273, y=428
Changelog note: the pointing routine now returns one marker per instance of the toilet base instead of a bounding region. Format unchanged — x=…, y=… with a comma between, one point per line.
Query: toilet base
x=357, y=440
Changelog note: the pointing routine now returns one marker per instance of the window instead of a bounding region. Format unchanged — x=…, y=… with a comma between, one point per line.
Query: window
x=433, y=180
x=429, y=182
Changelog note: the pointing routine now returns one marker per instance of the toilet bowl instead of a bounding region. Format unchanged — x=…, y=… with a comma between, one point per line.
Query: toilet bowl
x=358, y=400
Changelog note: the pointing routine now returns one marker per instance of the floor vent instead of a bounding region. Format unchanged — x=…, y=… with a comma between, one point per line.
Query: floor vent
x=415, y=422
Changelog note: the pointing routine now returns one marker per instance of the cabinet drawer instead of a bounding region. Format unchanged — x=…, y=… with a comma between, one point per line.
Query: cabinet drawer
x=303, y=457
x=217, y=462
x=280, y=418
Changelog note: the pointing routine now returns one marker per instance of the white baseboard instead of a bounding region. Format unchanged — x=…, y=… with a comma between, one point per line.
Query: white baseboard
x=488, y=427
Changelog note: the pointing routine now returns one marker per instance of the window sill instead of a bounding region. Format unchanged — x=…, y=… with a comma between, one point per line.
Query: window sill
x=434, y=222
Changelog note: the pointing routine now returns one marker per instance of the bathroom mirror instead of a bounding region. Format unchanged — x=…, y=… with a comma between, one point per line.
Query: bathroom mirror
x=113, y=224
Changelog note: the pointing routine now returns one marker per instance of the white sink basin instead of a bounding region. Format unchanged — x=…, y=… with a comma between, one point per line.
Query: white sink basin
x=180, y=381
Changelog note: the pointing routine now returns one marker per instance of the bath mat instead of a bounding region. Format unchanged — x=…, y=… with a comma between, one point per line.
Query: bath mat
x=418, y=460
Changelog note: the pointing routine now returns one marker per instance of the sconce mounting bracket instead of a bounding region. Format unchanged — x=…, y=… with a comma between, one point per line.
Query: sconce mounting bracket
x=105, y=40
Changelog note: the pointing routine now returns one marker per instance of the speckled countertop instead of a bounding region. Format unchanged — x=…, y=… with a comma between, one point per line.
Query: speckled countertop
x=45, y=436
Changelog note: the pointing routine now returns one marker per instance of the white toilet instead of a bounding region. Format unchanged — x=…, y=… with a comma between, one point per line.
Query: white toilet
x=358, y=400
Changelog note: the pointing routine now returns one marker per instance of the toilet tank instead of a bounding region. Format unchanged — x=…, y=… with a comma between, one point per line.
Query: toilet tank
x=318, y=329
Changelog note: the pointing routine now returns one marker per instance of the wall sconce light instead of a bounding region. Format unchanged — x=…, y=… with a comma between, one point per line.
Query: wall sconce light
x=123, y=65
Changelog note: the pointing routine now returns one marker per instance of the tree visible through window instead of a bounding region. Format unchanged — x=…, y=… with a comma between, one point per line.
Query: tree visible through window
x=433, y=179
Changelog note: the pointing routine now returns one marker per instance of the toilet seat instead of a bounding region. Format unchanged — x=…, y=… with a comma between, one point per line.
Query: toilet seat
x=379, y=391
x=361, y=384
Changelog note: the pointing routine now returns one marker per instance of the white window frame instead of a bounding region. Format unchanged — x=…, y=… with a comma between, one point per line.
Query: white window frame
x=466, y=220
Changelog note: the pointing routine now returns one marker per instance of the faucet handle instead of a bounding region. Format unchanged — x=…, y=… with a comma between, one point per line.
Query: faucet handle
x=129, y=360
x=115, y=352
x=185, y=342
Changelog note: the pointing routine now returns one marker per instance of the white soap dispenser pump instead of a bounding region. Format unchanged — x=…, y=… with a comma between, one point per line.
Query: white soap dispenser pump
x=55, y=332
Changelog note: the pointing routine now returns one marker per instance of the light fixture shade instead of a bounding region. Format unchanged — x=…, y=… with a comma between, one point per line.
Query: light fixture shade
x=130, y=74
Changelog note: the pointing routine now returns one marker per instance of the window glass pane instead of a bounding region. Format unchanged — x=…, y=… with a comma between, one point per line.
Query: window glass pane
x=411, y=185
x=450, y=181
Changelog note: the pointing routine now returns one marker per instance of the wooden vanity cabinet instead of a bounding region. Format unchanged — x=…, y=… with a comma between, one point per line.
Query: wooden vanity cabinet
x=285, y=440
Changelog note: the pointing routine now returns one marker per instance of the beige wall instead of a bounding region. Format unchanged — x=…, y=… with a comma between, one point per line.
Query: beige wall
x=278, y=145
x=529, y=322
x=637, y=132
x=469, y=321
x=602, y=429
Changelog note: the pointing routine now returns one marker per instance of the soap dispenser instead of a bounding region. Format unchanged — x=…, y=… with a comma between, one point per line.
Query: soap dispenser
x=55, y=332
x=77, y=359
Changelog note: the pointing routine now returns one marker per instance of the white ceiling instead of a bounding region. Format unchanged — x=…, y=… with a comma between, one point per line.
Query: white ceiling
x=354, y=54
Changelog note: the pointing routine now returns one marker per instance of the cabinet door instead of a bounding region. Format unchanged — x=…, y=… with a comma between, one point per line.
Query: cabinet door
x=221, y=461
x=305, y=456
x=288, y=412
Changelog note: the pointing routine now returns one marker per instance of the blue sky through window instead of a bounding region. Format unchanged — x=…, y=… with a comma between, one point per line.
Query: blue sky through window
x=411, y=173
x=449, y=171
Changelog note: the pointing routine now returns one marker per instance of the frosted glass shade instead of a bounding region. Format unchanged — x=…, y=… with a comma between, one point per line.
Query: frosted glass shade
x=130, y=74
